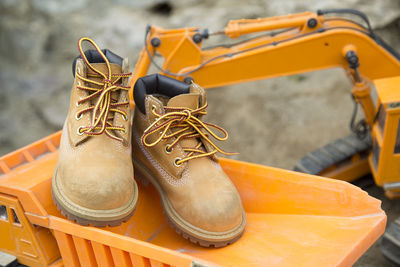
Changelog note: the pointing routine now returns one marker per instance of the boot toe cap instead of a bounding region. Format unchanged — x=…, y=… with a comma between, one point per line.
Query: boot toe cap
x=98, y=189
x=219, y=212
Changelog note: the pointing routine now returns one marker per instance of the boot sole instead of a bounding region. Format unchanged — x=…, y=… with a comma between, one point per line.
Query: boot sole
x=190, y=232
x=85, y=216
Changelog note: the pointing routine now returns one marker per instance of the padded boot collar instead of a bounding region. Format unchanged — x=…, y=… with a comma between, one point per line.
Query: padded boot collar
x=157, y=84
x=94, y=57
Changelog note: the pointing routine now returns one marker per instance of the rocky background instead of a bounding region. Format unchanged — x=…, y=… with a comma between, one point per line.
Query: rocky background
x=273, y=122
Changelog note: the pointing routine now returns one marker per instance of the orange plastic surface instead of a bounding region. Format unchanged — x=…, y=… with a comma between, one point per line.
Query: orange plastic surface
x=293, y=219
x=385, y=89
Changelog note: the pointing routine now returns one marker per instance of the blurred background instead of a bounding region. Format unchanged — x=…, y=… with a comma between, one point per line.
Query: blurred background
x=272, y=122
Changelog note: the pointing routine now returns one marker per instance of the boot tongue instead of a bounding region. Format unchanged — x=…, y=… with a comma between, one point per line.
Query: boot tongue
x=190, y=101
x=102, y=67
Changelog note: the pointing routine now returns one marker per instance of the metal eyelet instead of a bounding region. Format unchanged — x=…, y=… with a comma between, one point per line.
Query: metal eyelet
x=78, y=117
x=153, y=107
x=78, y=131
x=125, y=117
x=78, y=70
x=176, y=164
x=124, y=130
x=78, y=83
x=167, y=150
x=77, y=104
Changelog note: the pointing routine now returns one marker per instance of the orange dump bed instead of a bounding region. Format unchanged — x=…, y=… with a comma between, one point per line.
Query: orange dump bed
x=293, y=219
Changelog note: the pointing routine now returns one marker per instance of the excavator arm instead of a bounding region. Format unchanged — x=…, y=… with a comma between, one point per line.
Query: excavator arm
x=287, y=45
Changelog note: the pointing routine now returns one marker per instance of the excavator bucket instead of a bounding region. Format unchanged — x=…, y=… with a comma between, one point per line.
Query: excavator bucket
x=293, y=219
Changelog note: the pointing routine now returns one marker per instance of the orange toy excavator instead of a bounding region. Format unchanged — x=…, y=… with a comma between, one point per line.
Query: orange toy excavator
x=295, y=44
x=292, y=217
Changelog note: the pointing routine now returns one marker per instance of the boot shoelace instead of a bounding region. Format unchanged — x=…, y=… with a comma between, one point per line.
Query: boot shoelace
x=102, y=120
x=189, y=126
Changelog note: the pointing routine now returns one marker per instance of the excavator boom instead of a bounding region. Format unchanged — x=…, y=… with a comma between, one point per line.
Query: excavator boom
x=304, y=42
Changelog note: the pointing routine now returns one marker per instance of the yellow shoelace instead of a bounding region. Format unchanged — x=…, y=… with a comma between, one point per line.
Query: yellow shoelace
x=190, y=127
x=103, y=110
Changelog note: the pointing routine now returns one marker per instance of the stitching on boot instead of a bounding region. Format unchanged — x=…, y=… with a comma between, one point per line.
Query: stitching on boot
x=165, y=175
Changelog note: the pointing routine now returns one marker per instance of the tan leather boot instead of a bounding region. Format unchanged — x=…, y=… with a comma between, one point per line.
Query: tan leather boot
x=93, y=182
x=172, y=149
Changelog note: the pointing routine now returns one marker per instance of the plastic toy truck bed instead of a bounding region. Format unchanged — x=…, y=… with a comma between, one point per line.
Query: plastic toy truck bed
x=293, y=219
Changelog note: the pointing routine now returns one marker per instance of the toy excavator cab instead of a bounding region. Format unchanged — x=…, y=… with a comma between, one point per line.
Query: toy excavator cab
x=385, y=157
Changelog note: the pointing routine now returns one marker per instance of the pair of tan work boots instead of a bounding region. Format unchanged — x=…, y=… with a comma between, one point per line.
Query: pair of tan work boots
x=166, y=143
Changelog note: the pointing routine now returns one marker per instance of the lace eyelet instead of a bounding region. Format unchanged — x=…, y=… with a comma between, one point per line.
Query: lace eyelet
x=175, y=162
x=78, y=70
x=124, y=130
x=78, y=131
x=125, y=117
x=167, y=149
x=77, y=104
x=78, y=83
x=78, y=117
x=153, y=107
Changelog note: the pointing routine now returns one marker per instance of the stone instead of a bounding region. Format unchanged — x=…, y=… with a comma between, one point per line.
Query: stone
x=51, y=7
